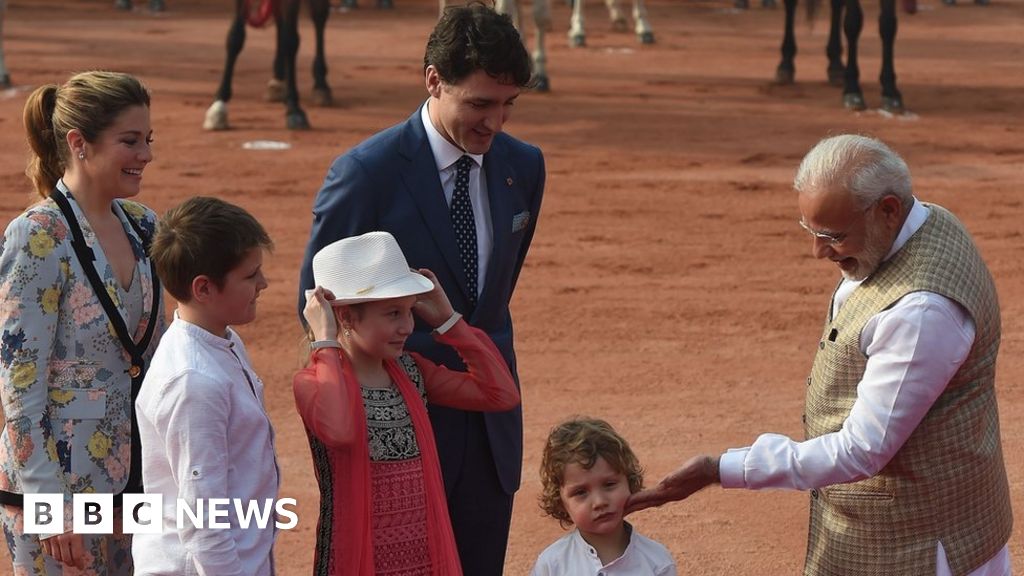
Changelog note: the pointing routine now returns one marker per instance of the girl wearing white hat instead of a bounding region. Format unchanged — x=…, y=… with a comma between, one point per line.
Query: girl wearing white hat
x=362, y=400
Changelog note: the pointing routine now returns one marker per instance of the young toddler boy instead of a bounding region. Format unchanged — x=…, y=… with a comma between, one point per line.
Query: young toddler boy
x=205, y=433
x=588, y=472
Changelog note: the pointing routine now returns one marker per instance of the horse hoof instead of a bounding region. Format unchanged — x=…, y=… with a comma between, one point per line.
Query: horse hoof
x=296, y=120
x=949, y=2
x=741, y=4
x=385, y=4
x=5, y=82
x=123, y=4
x=349, y=4
x=541, y=83
x=216, y=116
x=275, y=91
x=620, y=25
x=322, y=97
x=156, y=6
x=577, y=41
x=646, y=37
x=854, y=101
x=836, y=75
x=785, y=75
x=893, y=104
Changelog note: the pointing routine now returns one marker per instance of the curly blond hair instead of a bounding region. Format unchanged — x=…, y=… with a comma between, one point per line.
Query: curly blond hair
x=582, y=440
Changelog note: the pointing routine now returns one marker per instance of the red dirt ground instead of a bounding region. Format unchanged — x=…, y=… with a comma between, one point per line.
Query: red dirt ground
x=669, y=289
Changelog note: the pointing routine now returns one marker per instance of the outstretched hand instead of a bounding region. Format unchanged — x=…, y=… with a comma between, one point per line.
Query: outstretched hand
x=433, y=307
x=319, y=314
x=696, y=473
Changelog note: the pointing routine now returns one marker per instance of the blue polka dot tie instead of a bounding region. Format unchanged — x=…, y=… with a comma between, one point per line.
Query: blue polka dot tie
x=464, y=224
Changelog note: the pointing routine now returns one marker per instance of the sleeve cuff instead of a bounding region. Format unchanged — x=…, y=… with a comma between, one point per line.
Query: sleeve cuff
x=730, y=468
x=448, y=323
x=314, y=346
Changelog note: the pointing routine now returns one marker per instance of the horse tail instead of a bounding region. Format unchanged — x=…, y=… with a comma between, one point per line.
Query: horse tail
x=258, y=12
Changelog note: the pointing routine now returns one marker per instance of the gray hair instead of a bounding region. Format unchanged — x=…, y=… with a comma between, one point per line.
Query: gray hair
x=864, y=167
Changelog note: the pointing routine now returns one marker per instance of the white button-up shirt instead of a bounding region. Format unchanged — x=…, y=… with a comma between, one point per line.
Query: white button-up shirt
x=205, y=434
x=924, y=330
x=446, y=155
x=571, y=555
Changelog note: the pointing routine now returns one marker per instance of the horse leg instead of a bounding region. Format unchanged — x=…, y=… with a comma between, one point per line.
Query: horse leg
x=5, y=78
x=319, y=11
x=853, y=23
x=834, y=48
x=577, y=35
x=643, y=28
x=510, y=8
x=786, y=71
x=217, y=114
x=892, y=100
x=542, y=23
x=288, y=42
x=616, y=16
x=276, y=85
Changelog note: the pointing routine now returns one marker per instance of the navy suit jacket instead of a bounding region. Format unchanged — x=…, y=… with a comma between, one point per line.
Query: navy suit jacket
x=390, y=182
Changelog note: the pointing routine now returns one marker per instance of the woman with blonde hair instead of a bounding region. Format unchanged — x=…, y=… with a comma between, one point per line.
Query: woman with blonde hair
x=80, y=317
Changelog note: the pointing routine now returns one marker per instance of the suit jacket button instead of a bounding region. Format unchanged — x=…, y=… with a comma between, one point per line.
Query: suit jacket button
x=821, y=344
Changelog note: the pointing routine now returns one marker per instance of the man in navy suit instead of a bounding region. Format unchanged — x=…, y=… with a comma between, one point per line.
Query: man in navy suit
x=411, y=180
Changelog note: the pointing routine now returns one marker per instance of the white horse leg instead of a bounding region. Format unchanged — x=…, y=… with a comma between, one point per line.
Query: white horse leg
x=644, y=33
x=510, y=7
x=542, y=22
x=216, y=116
x=5, y=78
x=577, y=35
x=616, y=16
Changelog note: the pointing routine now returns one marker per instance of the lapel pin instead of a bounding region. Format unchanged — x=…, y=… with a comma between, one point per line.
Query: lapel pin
x=508, y=180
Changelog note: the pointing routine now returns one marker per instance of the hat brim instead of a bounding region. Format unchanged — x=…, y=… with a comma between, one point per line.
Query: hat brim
x=411, y=285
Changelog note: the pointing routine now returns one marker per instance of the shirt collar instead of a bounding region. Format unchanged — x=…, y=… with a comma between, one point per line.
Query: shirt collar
x=445, y=153
x=205, y=336
x=915, y=219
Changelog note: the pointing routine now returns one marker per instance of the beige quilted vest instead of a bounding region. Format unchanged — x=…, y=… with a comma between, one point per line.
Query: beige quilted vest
x=947, y=483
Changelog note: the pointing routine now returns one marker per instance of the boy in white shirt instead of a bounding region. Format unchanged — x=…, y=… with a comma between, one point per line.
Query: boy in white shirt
x=588, y=472
x=205, y=433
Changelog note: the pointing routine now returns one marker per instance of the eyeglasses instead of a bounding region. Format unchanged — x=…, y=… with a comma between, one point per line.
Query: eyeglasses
x=834, y=239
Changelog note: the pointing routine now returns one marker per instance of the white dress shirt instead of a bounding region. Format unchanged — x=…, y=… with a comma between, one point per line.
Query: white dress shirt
x=914, y=348
x=446, y=155
x=205, y=434
x=571, y=555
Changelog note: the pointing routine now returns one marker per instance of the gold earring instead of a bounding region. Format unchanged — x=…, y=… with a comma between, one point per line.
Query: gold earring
x=348, y=333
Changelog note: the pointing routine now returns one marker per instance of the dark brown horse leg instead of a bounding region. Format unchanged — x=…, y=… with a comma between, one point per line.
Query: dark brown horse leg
x=287, y=17
x=319, y=11
x=217, y=114
x=892, y=100
x=786, y=72
x=853, y=23
x=834, y=48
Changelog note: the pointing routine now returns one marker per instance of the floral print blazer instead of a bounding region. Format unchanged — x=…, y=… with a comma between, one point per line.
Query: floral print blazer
x=64, y=377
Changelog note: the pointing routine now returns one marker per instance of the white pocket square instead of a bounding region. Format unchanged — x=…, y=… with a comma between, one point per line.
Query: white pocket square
x=519, y=221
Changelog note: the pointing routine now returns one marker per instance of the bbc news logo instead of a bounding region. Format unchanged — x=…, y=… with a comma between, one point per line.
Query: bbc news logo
x=143, y=513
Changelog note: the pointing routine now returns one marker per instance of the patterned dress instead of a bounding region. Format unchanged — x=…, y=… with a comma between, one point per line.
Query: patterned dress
x=64, y=376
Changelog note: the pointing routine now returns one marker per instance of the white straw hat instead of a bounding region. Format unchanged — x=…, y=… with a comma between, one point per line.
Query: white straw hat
x=366, y=268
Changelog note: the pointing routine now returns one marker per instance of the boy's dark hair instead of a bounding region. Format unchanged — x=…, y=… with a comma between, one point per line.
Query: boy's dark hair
x=203, y=236
x=472, y=37
x=582, y=440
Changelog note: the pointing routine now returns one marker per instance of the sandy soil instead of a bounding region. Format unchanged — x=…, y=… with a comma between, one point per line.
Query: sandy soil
x=669, y=289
